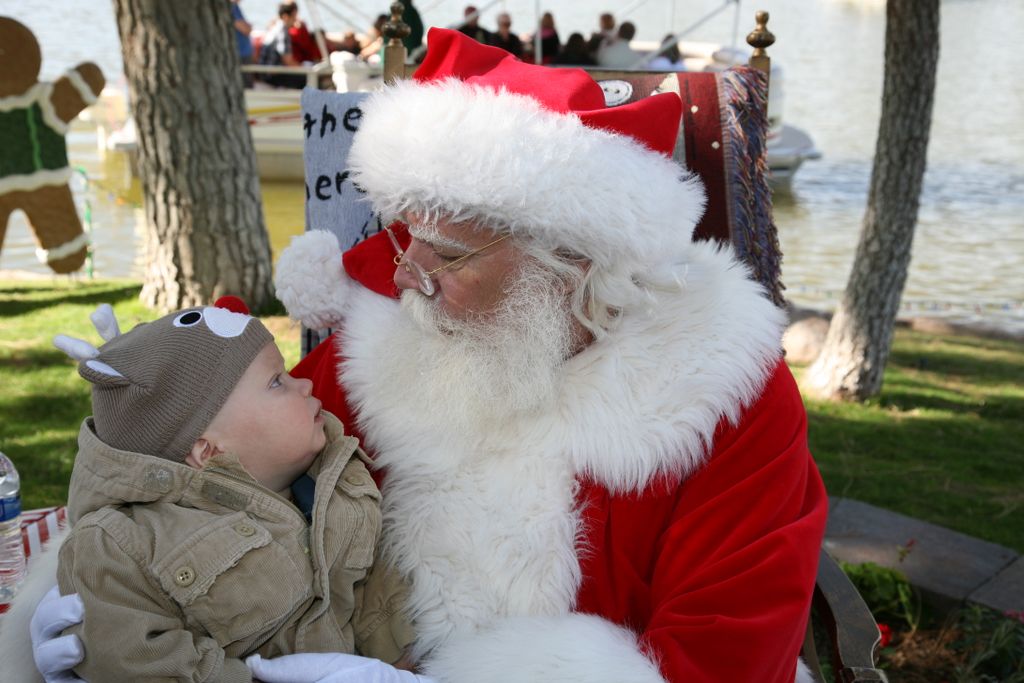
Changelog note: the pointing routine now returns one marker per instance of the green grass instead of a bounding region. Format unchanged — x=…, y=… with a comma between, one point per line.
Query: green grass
x=944, y=442
x=44, y=401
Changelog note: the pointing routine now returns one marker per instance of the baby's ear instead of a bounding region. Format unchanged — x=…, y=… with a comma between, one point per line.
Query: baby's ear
x=202, y=451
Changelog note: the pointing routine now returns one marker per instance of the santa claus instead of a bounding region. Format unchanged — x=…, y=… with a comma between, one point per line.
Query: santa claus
x=594, y=459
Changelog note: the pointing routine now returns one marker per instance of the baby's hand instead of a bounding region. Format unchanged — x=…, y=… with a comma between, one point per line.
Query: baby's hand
x=405, y=663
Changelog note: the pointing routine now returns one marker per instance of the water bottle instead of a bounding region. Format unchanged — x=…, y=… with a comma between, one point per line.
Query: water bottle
x=12, y=552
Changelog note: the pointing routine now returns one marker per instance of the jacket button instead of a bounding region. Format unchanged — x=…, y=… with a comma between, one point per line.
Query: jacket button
x=184, y=576
x=354, y=479
x=245, y=529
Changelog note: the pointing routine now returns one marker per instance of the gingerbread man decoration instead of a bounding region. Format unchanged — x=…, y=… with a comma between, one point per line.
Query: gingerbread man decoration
x=34, y=169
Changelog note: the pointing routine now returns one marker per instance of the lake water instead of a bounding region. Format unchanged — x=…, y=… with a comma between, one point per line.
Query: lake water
x=968, y=256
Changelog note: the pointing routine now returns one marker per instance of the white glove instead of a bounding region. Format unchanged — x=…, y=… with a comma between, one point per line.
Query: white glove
x=328, y=667
x=57, y=656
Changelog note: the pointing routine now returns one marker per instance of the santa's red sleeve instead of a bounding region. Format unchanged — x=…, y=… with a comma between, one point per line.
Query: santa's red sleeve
x=732, y=583
x=321, y=366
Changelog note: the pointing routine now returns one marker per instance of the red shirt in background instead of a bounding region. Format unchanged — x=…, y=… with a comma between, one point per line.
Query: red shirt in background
x=304, y=47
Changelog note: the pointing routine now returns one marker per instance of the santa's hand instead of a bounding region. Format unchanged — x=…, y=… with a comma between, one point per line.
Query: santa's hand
x=328, y=667
x=56, y=655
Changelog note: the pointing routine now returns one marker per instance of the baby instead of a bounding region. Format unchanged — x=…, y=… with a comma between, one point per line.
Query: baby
x=218, y=512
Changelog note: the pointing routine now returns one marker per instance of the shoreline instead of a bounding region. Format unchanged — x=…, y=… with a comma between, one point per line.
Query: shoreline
x=926, y=324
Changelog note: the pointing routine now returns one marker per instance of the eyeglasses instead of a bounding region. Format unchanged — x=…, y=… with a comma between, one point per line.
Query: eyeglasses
x=425, y=278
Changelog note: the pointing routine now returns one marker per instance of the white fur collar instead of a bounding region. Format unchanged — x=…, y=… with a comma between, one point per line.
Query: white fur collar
x=641, y=403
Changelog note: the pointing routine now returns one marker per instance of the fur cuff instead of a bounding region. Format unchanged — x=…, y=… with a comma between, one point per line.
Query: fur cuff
x=311, y=282
x=574, y=648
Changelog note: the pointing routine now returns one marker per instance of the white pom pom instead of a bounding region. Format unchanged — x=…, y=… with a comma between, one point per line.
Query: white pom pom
x=78, y=349
x=311, y=282
x=104, y=321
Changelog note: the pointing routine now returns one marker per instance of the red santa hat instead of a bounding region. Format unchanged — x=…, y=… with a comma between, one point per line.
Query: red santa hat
x=479, y=134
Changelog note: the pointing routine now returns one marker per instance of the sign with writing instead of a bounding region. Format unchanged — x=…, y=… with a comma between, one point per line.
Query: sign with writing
x=333, y=202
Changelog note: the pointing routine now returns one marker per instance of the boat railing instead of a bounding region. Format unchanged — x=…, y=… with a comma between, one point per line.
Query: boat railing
x=312, y=72
x=666, y=44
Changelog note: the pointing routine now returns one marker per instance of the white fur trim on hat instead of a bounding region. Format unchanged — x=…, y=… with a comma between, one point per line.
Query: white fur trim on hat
x=311, y=282
x=453, y=148
x=573, y=648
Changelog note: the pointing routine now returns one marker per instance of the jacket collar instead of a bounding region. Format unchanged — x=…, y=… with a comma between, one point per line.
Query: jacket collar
x=104, y=476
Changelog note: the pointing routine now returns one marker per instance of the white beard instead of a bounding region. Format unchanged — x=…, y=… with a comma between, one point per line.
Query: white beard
x=474, y=372
x=449, y=410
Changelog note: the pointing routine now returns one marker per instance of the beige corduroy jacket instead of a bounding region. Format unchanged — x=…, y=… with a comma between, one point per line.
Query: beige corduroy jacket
x=183, y=572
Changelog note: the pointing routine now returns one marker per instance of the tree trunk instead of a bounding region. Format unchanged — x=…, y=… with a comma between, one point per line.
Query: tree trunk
x=856, y=349
x=205, y=235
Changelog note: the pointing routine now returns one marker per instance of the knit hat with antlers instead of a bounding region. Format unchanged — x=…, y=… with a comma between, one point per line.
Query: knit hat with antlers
x=156, y=389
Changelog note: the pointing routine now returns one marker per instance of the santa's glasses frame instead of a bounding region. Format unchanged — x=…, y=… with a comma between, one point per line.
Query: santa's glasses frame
x=425, y=278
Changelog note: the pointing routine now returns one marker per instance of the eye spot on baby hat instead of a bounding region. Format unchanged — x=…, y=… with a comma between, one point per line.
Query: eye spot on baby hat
x=188, y=319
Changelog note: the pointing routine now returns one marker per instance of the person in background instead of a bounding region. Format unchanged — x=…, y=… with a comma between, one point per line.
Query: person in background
x=472, y=26
x=505, y=39
x=349, y=43
x=411, y=16
x=669, y=59
x=277, y=48
x=604, y=36
x=550, y=45
x=575, y=53
x=304, y=46
x=242, y=31
x=619, y=55
x=374, y=39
